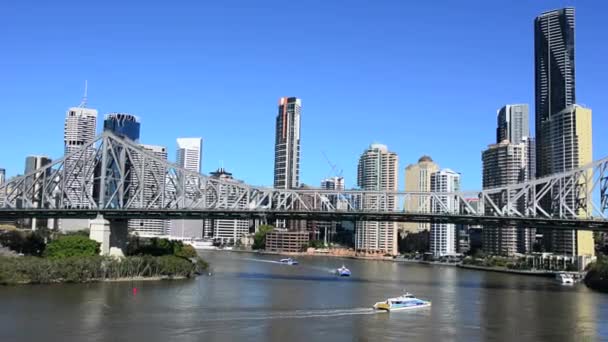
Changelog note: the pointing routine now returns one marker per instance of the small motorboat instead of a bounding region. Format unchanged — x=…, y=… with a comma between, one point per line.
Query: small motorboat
x=343, y=271
x=404, y=302
x=289, y=261
x=565, y=278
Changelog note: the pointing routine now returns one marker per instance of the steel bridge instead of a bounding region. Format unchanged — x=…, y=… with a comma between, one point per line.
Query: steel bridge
x=118, y=179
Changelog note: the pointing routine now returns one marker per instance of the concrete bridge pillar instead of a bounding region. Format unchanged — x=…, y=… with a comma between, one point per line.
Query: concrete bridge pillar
x=112, y=235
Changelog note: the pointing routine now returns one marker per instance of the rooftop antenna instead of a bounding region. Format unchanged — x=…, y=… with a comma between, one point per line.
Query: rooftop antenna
x=83, y=103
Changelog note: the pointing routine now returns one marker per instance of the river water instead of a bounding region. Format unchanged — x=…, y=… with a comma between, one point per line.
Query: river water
x=252, y=298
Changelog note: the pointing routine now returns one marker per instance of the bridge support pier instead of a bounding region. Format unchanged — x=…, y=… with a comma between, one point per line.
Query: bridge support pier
x=112, y=235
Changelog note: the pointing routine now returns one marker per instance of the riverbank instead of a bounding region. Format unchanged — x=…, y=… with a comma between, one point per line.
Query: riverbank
x=538, y=273
x=36, y=270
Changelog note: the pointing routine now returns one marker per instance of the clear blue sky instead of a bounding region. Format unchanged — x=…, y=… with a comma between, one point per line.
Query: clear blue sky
x=423, y=77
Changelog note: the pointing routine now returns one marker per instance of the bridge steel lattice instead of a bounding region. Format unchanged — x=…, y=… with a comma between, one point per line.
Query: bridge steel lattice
x=119, y=179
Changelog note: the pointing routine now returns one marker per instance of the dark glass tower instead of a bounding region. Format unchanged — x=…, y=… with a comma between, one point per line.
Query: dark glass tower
x=123, y=125
x=554, y=76
x=287, y=144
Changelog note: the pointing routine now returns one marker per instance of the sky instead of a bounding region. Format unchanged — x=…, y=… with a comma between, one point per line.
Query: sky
x=422, y=77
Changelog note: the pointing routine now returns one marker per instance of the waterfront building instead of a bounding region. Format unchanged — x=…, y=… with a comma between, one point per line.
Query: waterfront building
x=443, y=235
x=418, y=179
x=287, y=152
x=563, y=129
x=570, y=147
x=506, y=163
x=122, y=125
x=79, y=130
x=155, y=177
x=282, y=241
x=226, y=231
x=377, y=170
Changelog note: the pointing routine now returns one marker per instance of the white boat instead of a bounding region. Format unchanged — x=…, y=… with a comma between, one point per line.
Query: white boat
x=565, y=278
x=289, y=261
x=343, y=271
x=201, y=244
x=404, y=302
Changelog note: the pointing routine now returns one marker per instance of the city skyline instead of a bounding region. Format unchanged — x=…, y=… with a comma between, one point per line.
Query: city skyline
x=343, y=148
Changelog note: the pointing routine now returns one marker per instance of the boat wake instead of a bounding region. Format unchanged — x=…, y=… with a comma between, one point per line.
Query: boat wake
x=294, y=314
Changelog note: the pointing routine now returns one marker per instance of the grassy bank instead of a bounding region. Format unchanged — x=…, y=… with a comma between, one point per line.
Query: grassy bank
x=36, y=270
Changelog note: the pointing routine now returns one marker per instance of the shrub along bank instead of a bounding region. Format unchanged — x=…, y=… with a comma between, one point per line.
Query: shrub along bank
x=75, y=259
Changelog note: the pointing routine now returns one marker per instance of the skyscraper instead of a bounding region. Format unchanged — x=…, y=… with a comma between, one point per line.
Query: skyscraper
x=123, y=125
x=377, y=170
x=513, y=123
x=188, y=156
x=563, y=129
x=79, y=130
x=570, y=144
x=418, y=178
x=554, y=76
x=2, y=176
x=287, y=144
x=443, y=235
x=155, y=177
x=189, y=153
x=506, y=163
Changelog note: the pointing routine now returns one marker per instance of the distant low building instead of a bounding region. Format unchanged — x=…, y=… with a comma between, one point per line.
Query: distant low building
x=286, y=241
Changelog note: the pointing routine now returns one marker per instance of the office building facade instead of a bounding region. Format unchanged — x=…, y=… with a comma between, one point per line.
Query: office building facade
x=513, y=123
x=155, y=177
x=190, y=153
x=418, y=179
x=122, y=125
x=443, y=235
x=33, y=163
x=377, y=170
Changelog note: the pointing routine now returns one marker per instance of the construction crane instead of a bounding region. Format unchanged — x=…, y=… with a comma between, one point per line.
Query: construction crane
x=332, y=166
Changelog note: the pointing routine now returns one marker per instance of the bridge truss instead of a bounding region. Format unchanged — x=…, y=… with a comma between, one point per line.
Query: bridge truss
x=120, y=179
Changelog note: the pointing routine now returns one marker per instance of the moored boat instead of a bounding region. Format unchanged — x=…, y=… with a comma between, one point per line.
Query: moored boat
x=565, y=278
x=404, y=302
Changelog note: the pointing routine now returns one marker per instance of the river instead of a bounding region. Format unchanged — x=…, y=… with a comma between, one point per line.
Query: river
x=252, y=298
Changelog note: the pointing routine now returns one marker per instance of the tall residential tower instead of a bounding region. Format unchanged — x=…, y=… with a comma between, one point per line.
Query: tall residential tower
x=563, y=129
x=377, y=170
x=287, y=144
x=418, y=178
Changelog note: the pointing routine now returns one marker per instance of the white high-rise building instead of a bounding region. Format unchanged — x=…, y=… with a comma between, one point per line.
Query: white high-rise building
x=188, y=156
x=443, y=235
x=80, y=129
x=377, y=170
x=154, y=177
x=189, y=153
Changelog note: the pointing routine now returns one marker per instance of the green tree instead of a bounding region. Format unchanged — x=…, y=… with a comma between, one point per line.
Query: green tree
x=414, y=242
x=186, y=251
x=28, y=243
x=259, y=239
x=71, y=245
